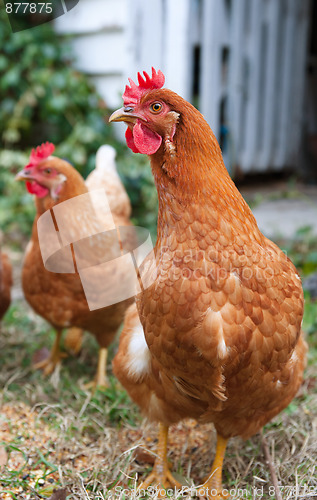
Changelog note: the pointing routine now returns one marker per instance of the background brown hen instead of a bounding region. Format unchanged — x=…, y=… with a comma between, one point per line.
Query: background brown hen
x=59, y=297
x=5, y=283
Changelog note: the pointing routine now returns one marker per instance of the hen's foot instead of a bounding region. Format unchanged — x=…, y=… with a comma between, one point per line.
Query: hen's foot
x=161, y=479
x=160, y=476
x=100, y=381
x=49, y=363
x=212, y=488
x=95, y=384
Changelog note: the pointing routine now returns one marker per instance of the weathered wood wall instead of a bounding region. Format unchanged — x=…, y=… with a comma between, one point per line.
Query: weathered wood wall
x=242, y=62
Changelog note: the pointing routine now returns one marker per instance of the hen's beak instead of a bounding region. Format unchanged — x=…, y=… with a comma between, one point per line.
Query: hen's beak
x=24, y=175
x=124, y=114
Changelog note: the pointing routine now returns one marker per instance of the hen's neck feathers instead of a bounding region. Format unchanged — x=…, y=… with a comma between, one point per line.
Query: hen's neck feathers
x=194, y=173
x=73, y=186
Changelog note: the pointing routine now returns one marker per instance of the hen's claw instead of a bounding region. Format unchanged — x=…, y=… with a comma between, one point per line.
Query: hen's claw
x=49, y=364
x=100, y=379
x=160, y=475
x=212, y=488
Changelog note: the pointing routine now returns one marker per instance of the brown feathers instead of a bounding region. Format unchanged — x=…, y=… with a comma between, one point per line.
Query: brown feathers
x=5, y=283
x=60, y=297
x=222, y=321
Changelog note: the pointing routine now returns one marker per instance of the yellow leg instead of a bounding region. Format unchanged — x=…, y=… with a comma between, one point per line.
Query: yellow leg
x=101, y=376
x=213, y=485
x=160, y=475
x=49, y=364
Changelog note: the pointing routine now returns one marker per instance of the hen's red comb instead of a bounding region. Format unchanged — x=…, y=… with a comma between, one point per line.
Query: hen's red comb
x=133, y=93
x=40, y=153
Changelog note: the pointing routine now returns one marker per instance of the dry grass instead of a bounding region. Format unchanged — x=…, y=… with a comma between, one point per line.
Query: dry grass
x=57, y=435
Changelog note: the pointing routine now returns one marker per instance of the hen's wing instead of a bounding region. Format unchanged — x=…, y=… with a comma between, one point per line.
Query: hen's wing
x=105, y=176
x=157, y=394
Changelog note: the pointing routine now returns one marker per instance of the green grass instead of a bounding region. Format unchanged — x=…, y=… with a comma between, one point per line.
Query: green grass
x=61, y=404
x=21, y=327
x=310, y=319
x=82, y=422
x=302, y=250
x=62, y=435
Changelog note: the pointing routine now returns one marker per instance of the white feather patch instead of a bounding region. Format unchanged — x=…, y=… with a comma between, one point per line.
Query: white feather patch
x=222, y=349
x=139, y=354
x=29, y=247
x=294, y=357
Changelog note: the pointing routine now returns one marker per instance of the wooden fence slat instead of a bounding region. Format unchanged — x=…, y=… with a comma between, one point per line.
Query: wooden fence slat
x=211, y=65
x=145, y=44
x=264, y=156
x=90, y=61
x=177, y=53
x=91, y=16
x=298, y=82
x=236, y=88
x=286, y=98
x=252, y=45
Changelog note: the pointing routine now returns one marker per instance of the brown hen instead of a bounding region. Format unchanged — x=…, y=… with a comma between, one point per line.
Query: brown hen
x=219, y=337
x=5, y=283
x=59, y=297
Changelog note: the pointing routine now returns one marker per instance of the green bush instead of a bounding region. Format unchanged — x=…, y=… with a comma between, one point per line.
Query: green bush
x=43, y=98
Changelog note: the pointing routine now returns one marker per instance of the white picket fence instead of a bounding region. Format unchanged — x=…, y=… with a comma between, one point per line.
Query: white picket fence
x=241, y=61
x=260, y=81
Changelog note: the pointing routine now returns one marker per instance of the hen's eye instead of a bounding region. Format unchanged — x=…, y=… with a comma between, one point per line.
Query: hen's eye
x=48, y=170
x=156, y=107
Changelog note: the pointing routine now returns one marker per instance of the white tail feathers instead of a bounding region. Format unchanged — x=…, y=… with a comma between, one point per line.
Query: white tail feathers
x=105, y=176
x=105, y=158
x=105, y=169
